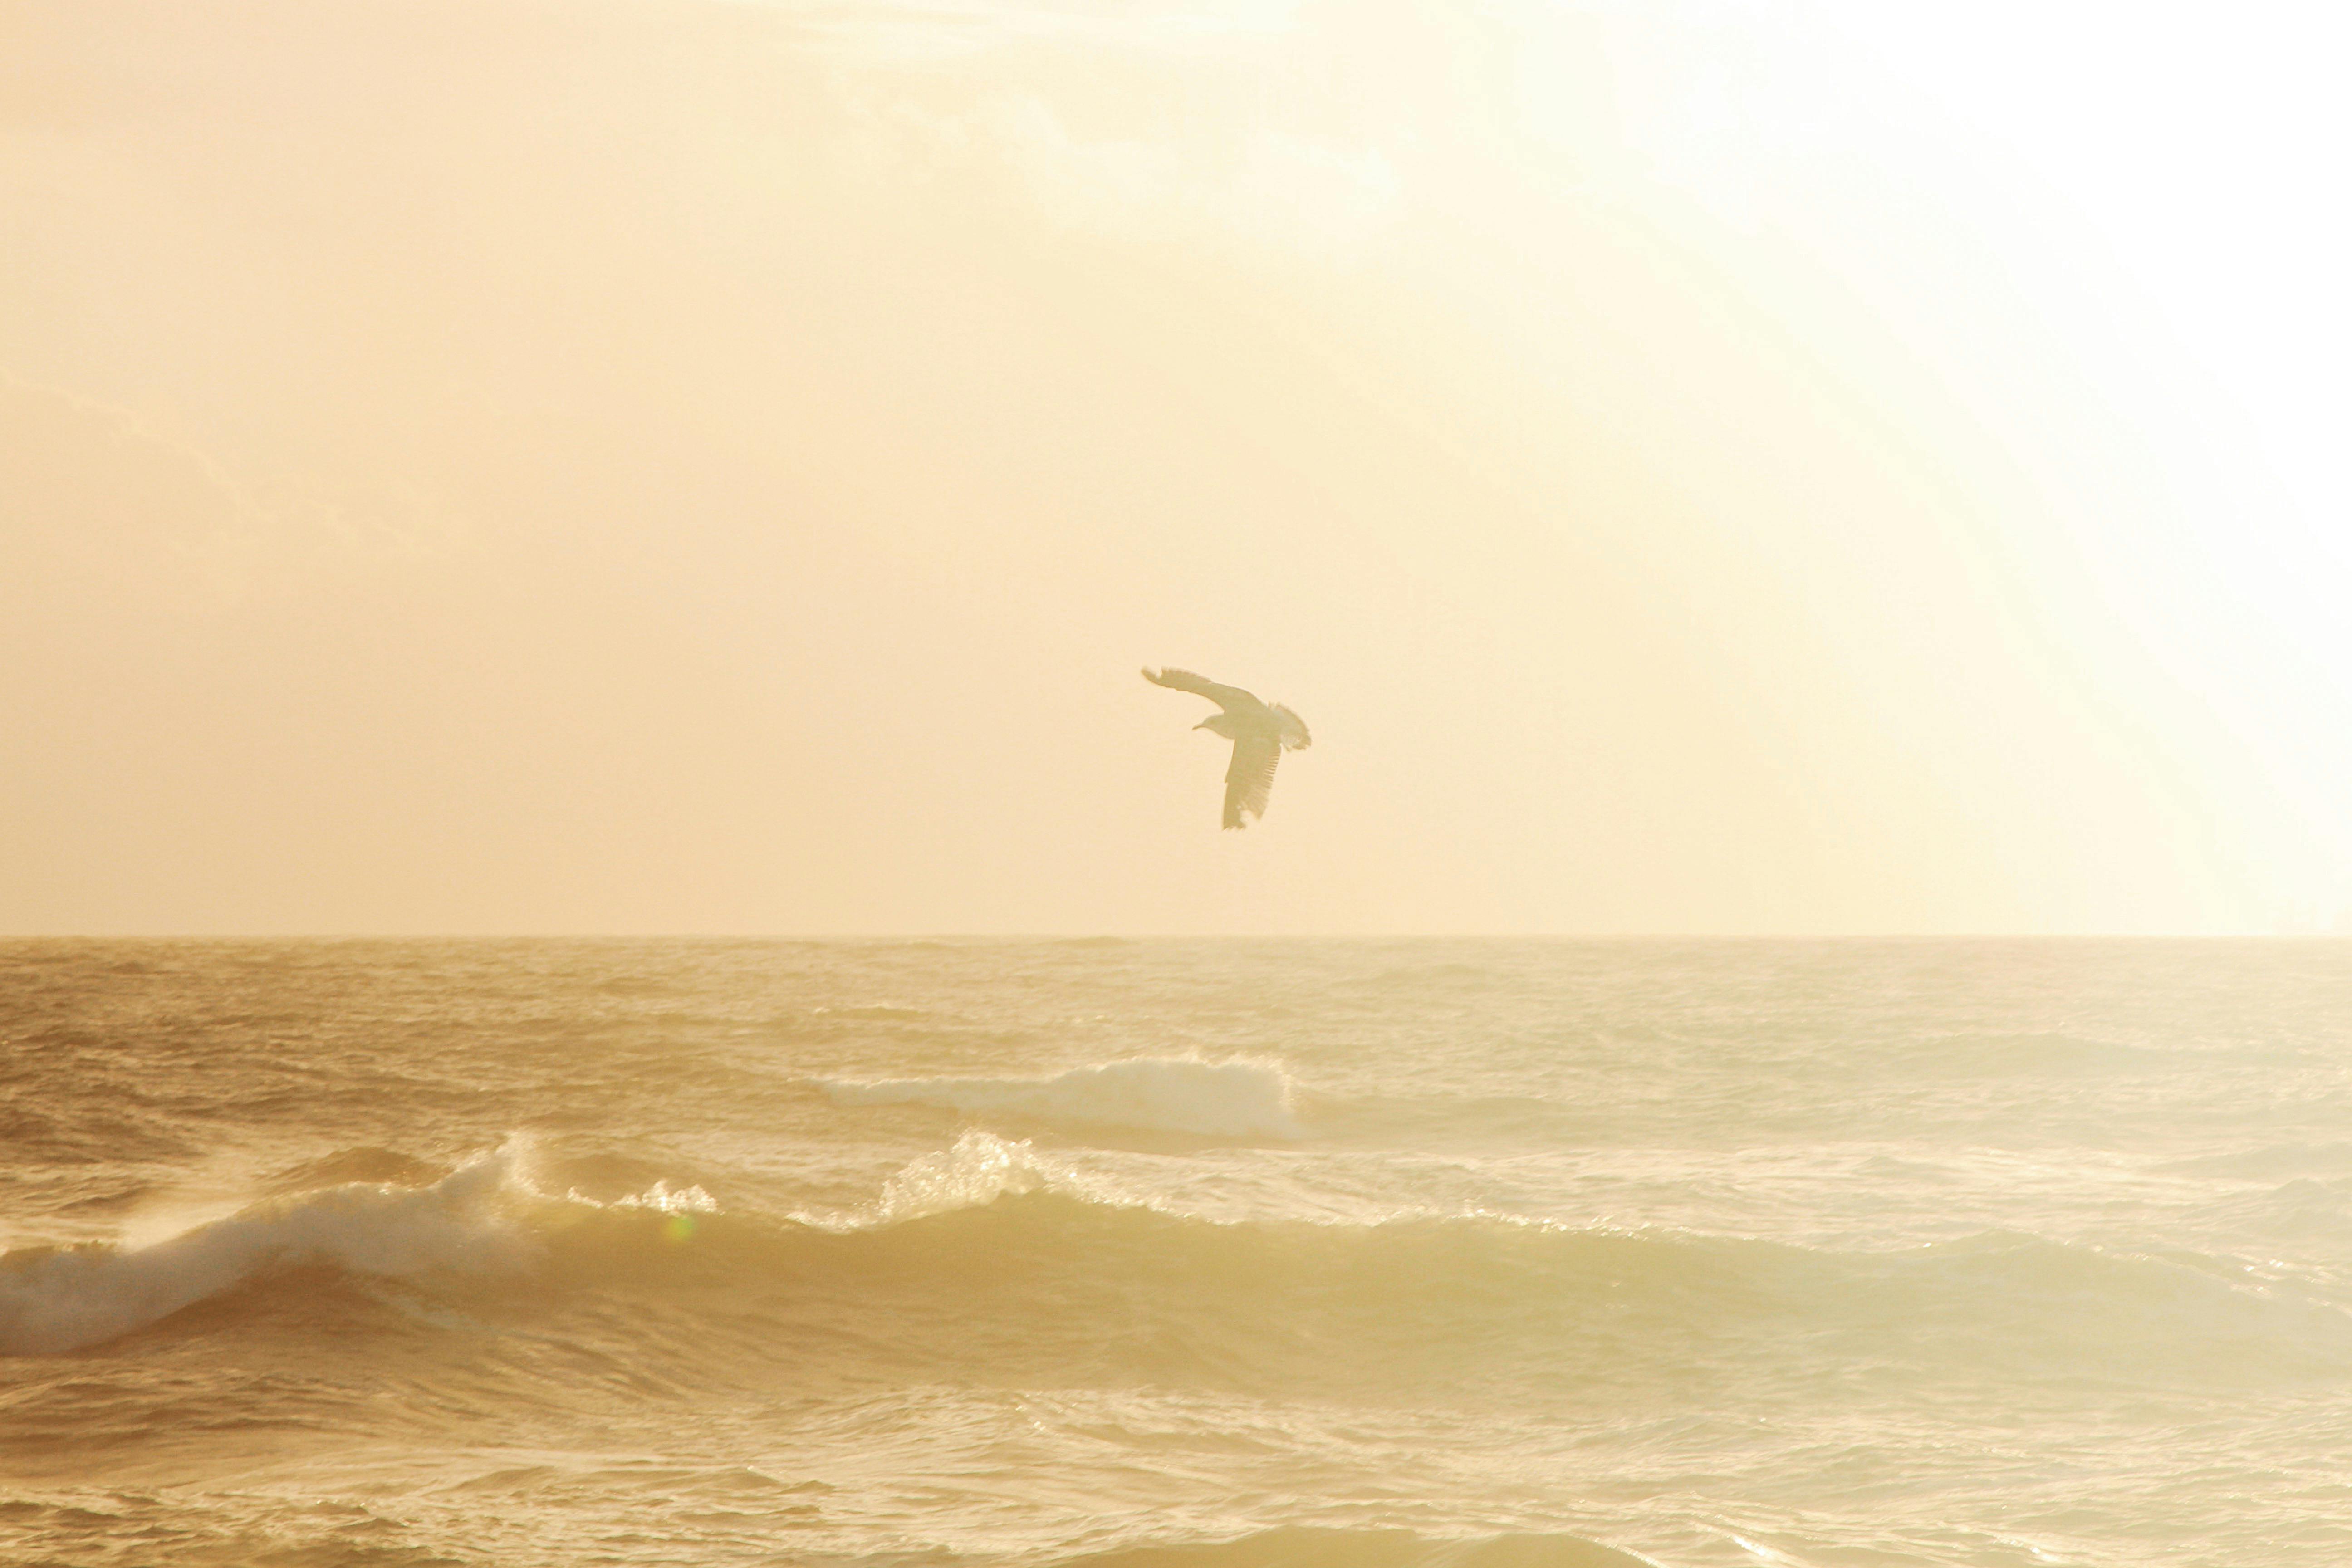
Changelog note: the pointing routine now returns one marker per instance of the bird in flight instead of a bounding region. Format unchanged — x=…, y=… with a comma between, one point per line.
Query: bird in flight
x=1260, y=732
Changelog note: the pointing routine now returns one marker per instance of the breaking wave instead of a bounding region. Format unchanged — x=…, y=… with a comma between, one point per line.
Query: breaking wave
x=1236, y=1098
x=484, y=1219
x=993, y=1254
x=978, y=1170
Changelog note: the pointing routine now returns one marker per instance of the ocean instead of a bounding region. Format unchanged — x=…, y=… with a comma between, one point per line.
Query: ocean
x=1176, y=1254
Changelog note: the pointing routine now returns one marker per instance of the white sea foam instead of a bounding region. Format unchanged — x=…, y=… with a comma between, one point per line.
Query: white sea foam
x=979, y=1169
x=472, y=1221
x=661, y=1198
x=1237, y=1099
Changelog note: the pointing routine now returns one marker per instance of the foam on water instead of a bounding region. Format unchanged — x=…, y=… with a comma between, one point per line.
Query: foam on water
x=977, y=1171
x=1233, y=1099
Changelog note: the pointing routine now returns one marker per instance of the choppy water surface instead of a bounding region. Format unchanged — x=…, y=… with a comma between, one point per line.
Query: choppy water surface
x=1166, y=1253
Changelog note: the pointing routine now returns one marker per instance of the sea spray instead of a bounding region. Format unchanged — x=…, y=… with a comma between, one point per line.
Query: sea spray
x=63, y=1299
x=486, y=1218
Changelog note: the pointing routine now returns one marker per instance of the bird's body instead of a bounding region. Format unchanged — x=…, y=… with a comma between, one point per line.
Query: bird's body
x=1260, y=732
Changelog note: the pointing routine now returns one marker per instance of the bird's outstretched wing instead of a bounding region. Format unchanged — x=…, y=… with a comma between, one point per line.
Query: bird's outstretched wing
x=1295, y=737
x=1250, y=779
x=1185, y=680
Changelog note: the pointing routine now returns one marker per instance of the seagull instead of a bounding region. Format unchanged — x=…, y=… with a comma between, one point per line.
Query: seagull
x=1260, y=732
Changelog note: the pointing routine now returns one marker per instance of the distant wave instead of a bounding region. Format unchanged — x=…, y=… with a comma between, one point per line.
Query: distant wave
x=2271, y=1161
x=2043, y=1055
x=1228, y=1099
x=1305, y=1547
x=1412, y=976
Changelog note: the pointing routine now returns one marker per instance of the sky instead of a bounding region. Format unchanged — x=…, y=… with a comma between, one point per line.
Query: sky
x=672, y=465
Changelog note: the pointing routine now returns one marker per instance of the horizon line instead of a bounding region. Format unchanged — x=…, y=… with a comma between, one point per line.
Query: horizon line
x=1068, y=936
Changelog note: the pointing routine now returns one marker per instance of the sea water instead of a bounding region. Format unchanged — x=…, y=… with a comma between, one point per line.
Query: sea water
x=1222, y=1254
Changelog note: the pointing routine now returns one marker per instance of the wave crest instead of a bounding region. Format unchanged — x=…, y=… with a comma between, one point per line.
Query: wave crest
x=478, y=1220
x=977, y=1171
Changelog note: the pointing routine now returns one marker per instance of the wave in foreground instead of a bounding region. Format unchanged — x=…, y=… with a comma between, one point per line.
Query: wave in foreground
x=988, y=1260
x=1236, y=1098
x=484, y=1221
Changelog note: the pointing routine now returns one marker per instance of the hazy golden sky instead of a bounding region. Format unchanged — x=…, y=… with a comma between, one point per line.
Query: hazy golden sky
x=668, y=466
